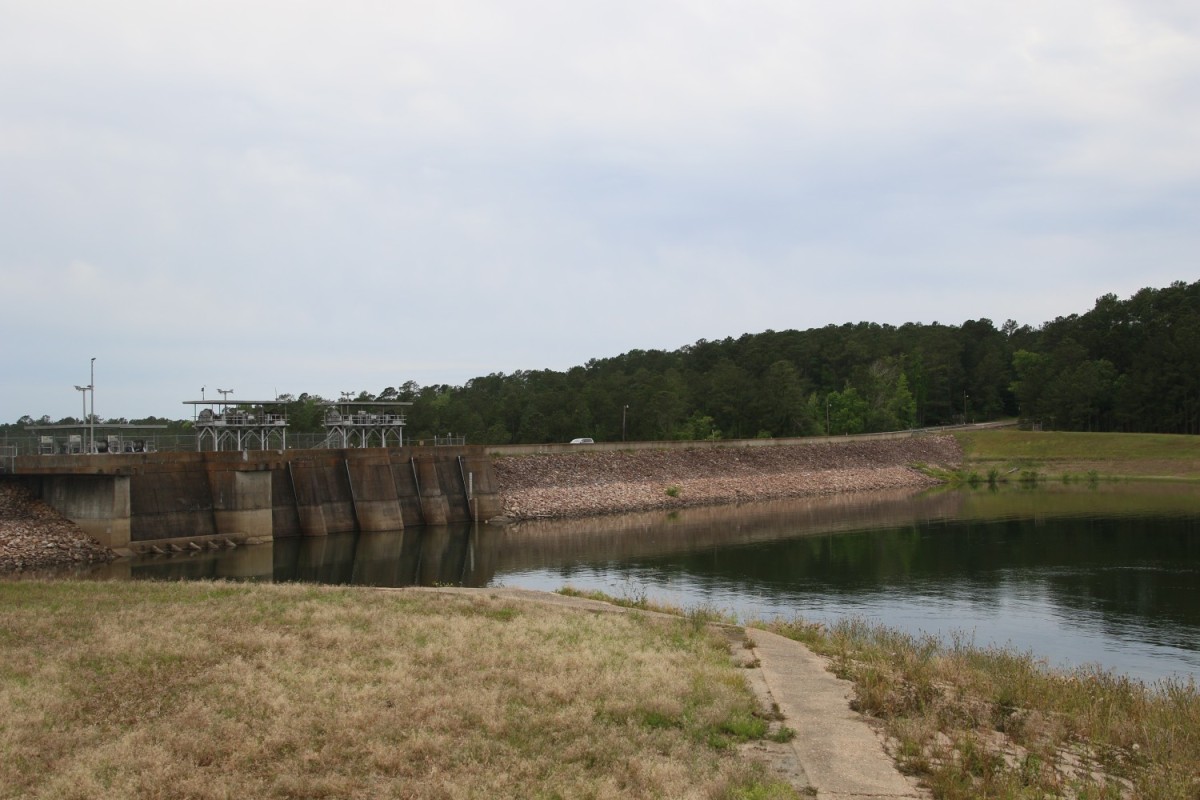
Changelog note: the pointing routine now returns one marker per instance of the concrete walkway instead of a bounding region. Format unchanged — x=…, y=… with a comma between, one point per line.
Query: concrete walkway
x=837, y=750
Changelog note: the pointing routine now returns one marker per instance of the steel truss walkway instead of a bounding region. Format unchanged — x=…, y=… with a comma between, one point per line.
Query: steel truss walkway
x=365, y=423
x=229, y=424
x=240, y=424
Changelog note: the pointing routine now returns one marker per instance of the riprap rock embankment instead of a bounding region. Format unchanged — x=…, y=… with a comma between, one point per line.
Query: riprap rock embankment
x=585, y=483
x=34, y=536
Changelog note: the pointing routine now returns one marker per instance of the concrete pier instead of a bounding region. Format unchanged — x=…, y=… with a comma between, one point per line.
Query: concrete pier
x=99, y=504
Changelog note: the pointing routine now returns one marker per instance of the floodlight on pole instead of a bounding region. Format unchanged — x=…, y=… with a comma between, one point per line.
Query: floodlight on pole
x=92, y=416
x=83, y=390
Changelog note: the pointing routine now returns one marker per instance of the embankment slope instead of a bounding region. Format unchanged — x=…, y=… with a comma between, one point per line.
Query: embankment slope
x=584, y=483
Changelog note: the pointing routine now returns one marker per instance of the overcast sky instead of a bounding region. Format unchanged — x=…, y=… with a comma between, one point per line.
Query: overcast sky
x=300, y=196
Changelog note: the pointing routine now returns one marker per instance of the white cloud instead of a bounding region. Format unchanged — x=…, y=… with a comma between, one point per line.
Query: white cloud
x=451, y=189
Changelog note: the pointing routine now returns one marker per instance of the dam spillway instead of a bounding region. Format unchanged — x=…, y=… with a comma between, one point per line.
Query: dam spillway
x=138, y=500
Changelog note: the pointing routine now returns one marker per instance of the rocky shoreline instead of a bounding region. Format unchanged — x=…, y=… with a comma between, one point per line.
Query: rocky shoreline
x=589, y=483
x=34, y=536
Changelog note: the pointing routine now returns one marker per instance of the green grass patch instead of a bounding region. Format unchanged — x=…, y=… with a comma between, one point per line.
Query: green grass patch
x=1082, y=456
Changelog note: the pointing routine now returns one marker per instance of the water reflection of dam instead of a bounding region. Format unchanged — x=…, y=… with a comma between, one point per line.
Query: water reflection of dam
x=418, y=557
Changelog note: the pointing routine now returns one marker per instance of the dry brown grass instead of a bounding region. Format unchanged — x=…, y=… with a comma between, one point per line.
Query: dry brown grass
x=204, y=690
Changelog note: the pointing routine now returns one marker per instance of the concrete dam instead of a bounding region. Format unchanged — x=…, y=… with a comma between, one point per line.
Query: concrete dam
x=137, y=501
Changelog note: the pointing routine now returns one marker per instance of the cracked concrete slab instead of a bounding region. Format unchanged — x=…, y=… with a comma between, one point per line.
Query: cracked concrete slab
x=840, y=754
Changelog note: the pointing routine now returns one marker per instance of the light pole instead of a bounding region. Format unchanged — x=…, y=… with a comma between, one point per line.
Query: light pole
x=83, y=390
x=92, y=416
x=624, y=409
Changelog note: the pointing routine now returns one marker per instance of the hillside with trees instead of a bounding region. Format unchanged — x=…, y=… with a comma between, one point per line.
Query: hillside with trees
x=1125, y=365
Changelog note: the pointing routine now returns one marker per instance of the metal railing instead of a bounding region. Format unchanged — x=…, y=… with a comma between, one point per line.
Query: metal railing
x=13, y=448
x=64, y=445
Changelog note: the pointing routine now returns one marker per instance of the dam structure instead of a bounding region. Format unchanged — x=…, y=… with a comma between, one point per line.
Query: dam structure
x=244, y=484
x=138, y=501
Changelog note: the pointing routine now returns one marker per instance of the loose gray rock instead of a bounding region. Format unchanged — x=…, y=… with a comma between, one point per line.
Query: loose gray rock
x=34, y=536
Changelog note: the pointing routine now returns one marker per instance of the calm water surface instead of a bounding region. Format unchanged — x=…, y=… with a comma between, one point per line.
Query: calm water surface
x=1079, y=575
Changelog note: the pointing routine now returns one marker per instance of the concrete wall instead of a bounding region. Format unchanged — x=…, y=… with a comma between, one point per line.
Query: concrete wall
x=97, y=503
x=137, y=500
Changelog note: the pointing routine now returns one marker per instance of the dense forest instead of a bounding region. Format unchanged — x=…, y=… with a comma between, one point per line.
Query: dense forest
x=1125, y=365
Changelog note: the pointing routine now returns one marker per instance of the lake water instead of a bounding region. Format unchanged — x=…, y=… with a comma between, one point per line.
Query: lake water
x=1078, y=575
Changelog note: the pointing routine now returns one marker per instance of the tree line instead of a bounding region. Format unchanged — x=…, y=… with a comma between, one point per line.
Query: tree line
x=1125, y=365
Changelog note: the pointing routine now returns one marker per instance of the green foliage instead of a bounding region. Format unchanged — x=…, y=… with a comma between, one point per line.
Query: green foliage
x=847, y=412
x=698, y=426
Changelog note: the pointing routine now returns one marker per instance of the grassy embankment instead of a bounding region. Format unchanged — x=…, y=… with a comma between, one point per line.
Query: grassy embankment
x=980, y=723
x=997, y=723
x=1010, y=455
x=204, y=690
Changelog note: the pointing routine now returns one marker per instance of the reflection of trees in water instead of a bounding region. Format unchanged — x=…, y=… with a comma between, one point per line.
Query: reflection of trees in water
x=1107, y=554
x=1138, y=572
